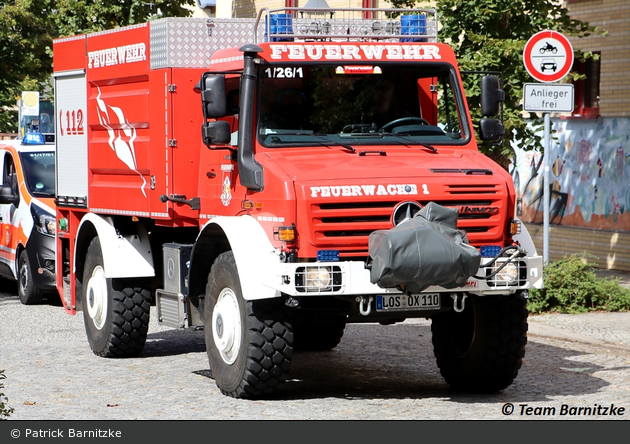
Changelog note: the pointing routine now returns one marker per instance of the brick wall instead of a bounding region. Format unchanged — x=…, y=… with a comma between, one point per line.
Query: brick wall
x=613, y=16
x=610, y=247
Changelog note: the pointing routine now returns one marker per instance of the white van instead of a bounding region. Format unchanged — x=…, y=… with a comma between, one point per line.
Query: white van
x=27, y=217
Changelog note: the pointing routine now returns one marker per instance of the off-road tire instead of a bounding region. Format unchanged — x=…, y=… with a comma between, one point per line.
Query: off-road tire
x=28, y=292
x=125, y=322
x=315, y=331
x=481, y=349
x=263, y=357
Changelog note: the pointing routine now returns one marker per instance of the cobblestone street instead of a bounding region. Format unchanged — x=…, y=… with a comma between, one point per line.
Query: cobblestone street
x=377, y=372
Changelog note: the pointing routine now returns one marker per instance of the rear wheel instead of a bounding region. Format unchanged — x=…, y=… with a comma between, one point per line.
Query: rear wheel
x=116, y=316
x=28, y=292
x=318, y=331
x=482, y=348
x=249, y=343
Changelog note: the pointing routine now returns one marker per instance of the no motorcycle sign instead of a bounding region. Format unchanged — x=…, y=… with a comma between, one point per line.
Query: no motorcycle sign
x=548, y=56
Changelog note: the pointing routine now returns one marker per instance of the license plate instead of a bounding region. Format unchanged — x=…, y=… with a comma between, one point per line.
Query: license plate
x=402, y=302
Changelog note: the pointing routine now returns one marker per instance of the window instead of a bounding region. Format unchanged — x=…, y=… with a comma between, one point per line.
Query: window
x=9, y=174
x=586, y=93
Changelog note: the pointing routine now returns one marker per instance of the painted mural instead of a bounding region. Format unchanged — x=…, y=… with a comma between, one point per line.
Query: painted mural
x=590, y=175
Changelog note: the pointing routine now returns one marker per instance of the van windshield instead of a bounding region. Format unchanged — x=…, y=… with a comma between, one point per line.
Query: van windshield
x=360, y=105
x=39, y=170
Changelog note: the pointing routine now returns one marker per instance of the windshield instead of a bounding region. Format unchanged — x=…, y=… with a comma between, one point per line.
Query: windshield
x=360, y=104
x=39, y=170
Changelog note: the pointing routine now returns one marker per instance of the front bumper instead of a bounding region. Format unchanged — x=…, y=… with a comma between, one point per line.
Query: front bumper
x=40, y=250
x=352, y=278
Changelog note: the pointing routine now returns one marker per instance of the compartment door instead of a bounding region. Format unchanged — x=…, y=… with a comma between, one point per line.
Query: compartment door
x=71, y=138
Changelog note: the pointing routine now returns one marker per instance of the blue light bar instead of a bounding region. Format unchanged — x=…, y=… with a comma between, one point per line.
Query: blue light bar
x=327, y=255
x=490, y=250
x=33, y=139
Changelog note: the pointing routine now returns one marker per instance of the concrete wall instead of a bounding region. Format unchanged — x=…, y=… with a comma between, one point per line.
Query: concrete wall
x=590, y=175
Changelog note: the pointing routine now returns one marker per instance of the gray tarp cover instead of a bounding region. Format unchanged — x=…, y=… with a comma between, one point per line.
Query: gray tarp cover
x=426, y=250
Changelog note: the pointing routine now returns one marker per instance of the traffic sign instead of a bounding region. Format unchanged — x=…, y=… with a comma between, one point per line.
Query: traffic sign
x=548, y=56
x=548, y=98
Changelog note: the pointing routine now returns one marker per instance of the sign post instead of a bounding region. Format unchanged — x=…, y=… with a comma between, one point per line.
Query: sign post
x=548, y=58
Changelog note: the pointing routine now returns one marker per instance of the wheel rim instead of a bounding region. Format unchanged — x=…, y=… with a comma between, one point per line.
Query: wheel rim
x=96, y=297
x=24, y=277
x=226, y=325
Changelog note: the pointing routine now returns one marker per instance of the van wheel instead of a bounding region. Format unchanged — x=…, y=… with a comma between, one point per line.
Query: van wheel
x=482, y=348
x=249, y=343
x=28, y=292
x=116, y=316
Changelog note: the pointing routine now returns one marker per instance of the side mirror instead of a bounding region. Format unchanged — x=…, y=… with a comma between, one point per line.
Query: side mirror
x=213, y=98
x=7, y=197
x=492, y=131
x=491, y=96
x=217, y=132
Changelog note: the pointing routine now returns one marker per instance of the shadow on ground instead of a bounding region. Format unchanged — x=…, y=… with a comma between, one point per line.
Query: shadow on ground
x=372, y=364
x=174, y=342
x=8, y=291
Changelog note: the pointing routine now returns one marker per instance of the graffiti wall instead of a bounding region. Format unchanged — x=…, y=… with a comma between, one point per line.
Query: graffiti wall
x=590, y=175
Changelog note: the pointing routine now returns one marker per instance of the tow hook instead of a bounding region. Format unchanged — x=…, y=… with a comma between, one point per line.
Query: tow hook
x=463, y=305
x=365, y=305
x=46, y=271
x=292, y=303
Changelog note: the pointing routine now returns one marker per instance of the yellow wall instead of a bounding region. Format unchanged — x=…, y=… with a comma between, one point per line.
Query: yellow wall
x=613, y=16
x=611, y=248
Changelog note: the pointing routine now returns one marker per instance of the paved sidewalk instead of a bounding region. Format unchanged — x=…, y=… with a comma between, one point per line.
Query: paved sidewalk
x=624, y=276
x=599, y=328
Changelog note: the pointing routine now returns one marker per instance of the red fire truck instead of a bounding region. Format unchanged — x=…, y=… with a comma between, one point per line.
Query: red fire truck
x=236, y=173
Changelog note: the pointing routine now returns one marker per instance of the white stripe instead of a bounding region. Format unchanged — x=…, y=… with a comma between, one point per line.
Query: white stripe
x=226, y=59
x=125, y=212
x=7, y=249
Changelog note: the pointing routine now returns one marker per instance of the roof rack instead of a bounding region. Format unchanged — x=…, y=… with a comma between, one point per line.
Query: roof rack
x=351, y=24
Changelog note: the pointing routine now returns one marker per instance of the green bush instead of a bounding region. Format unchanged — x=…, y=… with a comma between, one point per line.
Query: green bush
x=571, y=286
x=5, y=411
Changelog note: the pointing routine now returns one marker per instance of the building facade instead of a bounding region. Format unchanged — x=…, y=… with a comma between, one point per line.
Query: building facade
x=590, y=153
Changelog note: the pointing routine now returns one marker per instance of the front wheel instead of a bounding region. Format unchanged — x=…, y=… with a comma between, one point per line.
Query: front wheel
x=249, y=343
x=116, y=316
x=482, y=348
x=28, y=292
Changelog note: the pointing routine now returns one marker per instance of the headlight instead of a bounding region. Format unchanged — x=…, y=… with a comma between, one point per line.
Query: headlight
x=45, y=223
x=318, y=279
x=509, y=274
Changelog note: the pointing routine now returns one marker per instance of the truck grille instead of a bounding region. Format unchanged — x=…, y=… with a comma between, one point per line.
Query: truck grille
x=346, y=225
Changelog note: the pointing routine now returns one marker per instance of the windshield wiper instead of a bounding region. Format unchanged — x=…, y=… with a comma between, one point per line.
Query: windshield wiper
x=413, y=142
x=381, y=135
x=325, y=142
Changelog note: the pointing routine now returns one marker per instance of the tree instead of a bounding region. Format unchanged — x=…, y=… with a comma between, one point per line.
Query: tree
x=27, y=28
x=490, y=35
